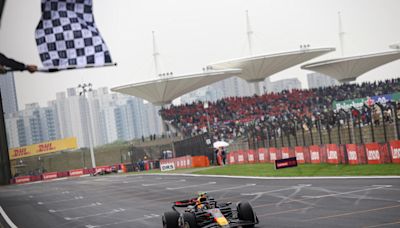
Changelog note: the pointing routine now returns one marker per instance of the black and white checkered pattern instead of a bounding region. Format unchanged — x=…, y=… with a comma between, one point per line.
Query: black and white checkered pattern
x=67, y=36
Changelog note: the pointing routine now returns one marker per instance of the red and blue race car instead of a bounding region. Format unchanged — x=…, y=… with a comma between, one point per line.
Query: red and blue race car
x=205, y=212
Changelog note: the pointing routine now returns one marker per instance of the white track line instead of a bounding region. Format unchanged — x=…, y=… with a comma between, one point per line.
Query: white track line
x=236, y=187
x=346, y=193
x=160, y=183
x=191, y=186
x=275, y=178
x=8, y=220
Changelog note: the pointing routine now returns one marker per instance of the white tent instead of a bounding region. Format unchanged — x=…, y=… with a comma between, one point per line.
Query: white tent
x=257, y=68
x=349, y=68
x=163, y=91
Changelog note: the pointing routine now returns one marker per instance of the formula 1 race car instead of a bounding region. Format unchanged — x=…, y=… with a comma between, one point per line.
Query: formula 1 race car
x=104, y=170
x=205, y=212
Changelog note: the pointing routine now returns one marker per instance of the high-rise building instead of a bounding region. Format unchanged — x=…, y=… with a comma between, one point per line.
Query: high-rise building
x=32, y=125
x=112, y=117
x=8, y=93
x=284, y=84
x=316, y=80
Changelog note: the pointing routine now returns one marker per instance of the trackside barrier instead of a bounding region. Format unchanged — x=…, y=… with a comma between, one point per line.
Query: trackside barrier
x=263, y=155
x=315, y=156
x=200, y=161
x=231, y=158
x=186, y=161
x=395, y=151
x=373, y=153
x=49, y=176
x=272, y=154
x=251, y=157
x=285, y=152
x=299, y=151
x=75, y=173
x=332, y=154
x=353, y=154
x=23, y=179
x=241, y=158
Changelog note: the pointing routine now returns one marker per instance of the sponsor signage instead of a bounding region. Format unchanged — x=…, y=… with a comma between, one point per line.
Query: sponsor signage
x=48, y=176
x=285, y=163
x=359, y=102
x=352, y=153
x=314, y=154
x=43, y=148
x=23, y=179
x=167, y=166
x=76, y=172
x=373, y=153
x=395, y=150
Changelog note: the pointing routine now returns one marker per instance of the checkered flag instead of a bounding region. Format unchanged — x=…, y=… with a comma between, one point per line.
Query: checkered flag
x=67, y=36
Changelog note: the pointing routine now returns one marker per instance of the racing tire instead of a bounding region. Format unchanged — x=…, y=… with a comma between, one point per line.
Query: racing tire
x=170, y=219
x=189, y=220
x=245, y=212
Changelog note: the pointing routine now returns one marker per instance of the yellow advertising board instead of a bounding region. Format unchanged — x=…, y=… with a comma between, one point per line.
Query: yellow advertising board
x=43, y=148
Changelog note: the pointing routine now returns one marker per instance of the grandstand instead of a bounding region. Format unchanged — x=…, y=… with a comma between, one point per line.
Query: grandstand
x=285, y=118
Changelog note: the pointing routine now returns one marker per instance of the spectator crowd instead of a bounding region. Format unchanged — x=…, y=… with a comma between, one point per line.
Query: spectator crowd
x=285, y=111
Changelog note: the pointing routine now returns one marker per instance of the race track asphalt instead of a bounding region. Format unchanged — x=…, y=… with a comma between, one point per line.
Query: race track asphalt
x=140, y=200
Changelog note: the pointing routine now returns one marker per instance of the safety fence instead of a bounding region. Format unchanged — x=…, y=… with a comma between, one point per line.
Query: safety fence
x=147, y=165
x=186, y=162
x=353, y=154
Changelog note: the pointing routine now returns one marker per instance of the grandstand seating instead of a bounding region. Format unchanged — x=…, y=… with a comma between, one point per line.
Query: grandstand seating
x=284, y=112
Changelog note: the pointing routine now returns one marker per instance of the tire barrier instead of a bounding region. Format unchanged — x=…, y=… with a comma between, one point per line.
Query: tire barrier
x=353, y=154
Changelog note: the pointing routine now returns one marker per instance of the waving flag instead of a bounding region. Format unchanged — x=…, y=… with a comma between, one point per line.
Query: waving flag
x=67, y=36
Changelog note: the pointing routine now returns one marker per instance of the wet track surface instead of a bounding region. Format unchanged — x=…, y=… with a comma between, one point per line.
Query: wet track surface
x=139, y=200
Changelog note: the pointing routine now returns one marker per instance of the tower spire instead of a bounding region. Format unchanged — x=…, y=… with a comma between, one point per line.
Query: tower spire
x=341, y=34
x=156, y=55
x=249, y=33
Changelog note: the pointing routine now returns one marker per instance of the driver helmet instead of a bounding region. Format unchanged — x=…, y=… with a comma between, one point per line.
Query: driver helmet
x=202, y=197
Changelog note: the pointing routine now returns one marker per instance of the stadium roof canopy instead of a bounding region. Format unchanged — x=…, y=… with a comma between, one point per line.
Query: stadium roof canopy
x=257, y=68
x=163, y=91
x=349, y=68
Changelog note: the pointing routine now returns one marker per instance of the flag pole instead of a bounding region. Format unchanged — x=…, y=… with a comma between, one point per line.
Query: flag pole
x=74, y=67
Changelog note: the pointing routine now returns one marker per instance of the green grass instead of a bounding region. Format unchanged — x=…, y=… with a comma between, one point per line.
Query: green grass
x=267, y=170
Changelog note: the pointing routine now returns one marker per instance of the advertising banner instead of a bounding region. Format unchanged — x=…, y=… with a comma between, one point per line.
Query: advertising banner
x=43, y=148
x=167, y=166
x=373, y=153
x=273, y=154
x=299, y=151
x=314, y=154
x=359, y=102
x=251, y=156
x=23, y=179
x=285, y=163
x=285, y=152
x=332, y=153
x=49, y=176
x=395, y=151
x=75, y=172
x=240, y=156
x=352, y=154
x=263, y=155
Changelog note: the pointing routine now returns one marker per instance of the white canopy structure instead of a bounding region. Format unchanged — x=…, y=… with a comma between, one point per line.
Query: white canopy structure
x=163, y=91
x=257, y=68
x=349, y=68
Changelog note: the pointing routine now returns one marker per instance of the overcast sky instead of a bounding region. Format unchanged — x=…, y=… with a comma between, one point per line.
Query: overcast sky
x=193, y=33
